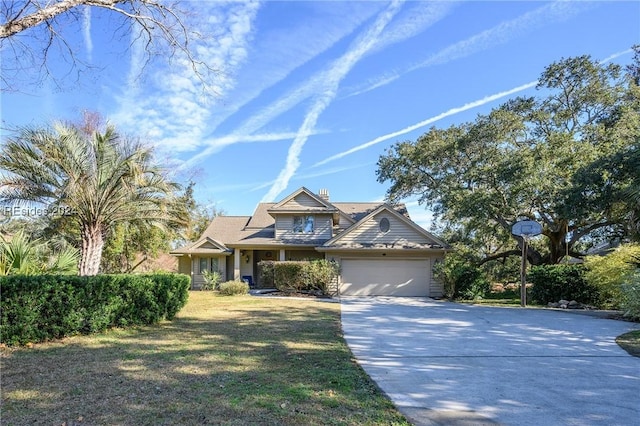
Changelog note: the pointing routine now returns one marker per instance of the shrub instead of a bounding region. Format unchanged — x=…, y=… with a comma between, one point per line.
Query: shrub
x=461, y=279
x=318, y=275
x=266, y=272
x=609, y=273
x=630, y=303
x=321, y=275
x=233, y=288
x=470, y=283
x=42, y=307
x=288, y=276
x=211, y=280
x=552, y=283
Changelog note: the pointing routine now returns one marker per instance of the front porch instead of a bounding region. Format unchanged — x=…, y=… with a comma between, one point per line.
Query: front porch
x=240, y=264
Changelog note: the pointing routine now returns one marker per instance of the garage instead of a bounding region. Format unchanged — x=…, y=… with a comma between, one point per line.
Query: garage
x=388, y=277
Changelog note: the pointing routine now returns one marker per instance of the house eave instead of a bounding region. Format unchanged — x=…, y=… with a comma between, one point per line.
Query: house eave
x=383, y=249
x=274, y=246
x=179, y=253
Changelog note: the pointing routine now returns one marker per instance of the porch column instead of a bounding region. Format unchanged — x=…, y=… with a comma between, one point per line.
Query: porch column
x=236, y=264
x=282, y=258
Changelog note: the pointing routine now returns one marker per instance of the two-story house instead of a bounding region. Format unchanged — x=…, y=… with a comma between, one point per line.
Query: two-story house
x=379, y=249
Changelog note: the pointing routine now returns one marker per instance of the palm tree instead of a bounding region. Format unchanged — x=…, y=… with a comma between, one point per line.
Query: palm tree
x=19, y=255
x=97, y=179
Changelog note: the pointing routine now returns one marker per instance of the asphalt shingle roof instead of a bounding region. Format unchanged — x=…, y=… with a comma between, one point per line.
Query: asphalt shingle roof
x=259, y=229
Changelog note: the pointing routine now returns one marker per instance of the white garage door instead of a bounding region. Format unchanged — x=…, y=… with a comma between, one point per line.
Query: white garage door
x=388, y=277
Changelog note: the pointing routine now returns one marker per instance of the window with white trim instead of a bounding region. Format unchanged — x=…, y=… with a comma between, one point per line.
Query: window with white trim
x=303, y=224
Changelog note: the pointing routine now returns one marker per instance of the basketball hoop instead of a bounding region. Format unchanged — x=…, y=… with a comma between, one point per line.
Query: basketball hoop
x=525, y=229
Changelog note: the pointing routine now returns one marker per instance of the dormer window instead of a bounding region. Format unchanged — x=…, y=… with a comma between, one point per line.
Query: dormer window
x=303, y=224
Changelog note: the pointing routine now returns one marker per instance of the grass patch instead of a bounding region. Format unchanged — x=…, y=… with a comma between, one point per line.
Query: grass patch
x=630, y=342
x=241, y=360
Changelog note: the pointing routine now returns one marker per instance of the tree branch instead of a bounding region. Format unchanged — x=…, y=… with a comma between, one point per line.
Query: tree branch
x=160, y=26
x=15, y=26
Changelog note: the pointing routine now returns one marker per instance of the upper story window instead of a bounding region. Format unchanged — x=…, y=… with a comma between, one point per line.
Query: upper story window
x=303, y=224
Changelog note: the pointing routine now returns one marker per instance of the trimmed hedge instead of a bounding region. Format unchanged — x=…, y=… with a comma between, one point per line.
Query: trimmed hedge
x=43, y=307
x=552, y=283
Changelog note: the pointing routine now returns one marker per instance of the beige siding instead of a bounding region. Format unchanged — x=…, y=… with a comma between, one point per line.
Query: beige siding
x=437, y=286
x=369, y=232
x=322, y=228
x=301, y=201
x=343, y=224
x=284, y=226
x=184, y=265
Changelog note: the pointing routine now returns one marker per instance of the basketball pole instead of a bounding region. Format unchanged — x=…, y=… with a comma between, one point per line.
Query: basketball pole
x=525, y=229
x=523, y=273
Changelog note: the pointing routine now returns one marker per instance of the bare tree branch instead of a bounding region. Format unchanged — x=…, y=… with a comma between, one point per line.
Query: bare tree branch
x=162, y=28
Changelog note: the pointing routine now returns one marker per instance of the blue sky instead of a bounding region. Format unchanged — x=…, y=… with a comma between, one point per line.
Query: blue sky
x=312, y=93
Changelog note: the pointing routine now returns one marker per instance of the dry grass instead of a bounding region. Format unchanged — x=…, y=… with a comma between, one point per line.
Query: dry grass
x=223, y=360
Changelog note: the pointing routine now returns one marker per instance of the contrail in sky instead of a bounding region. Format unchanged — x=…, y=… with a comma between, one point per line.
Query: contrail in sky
x=428, y=121
x=332, y=79
x=448, y=113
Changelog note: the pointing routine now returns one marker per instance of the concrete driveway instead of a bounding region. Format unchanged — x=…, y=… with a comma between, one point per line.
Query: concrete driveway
x=454, y=364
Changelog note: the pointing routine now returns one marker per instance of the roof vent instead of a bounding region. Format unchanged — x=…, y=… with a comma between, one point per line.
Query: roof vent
x=324, y=194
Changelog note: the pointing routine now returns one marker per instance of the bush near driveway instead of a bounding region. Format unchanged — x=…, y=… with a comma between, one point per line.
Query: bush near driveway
x=611, y=273
x=630, y=303
x=43, y=307
x=462, y=280
x=318, y=275
x=552, y=283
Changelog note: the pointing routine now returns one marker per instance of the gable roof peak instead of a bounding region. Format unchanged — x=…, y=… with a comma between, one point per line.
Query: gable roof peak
x=318, y=199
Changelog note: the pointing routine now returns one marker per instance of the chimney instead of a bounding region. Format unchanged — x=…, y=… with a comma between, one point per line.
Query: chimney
x=324, y=194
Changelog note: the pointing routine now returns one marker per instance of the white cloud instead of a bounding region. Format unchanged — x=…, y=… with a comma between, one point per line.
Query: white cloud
x=273, y=56
x=277, y=53
x=169, y=106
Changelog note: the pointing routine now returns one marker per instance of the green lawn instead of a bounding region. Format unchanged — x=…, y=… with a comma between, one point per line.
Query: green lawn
x=223, y=360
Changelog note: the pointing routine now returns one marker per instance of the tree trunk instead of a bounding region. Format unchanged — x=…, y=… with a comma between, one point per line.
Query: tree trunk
x=557, y=245
x=91, y=250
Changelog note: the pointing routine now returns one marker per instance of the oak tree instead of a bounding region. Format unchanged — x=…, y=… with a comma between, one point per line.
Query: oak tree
x=520, y=162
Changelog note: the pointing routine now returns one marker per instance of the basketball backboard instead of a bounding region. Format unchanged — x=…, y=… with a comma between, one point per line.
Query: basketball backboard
x=526, y=228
